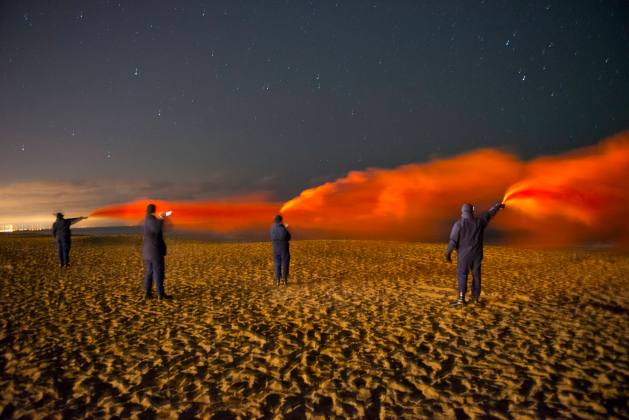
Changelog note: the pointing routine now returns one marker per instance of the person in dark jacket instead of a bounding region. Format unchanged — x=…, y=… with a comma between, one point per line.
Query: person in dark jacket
x=280, y=237
x=153, y=253
x=63, y=236
x=467, y=239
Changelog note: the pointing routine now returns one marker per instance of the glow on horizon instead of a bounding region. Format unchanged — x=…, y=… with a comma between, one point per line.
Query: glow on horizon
x=44, y=222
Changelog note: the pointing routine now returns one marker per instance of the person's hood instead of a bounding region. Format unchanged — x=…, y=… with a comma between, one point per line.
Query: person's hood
x=467, y=211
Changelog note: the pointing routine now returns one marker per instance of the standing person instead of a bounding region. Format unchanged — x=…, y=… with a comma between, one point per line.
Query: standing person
x=63, y=236
x=467, y=238
x=280, y=237
x=153, y=252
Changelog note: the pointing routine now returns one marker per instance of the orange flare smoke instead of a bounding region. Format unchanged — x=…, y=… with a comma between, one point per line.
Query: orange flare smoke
x=215, y=216
x=573, y=198
x=416, y=201
x=567, y=199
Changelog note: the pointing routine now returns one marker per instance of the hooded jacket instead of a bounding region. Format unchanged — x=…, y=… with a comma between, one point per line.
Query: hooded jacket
x=280, y=236
x=153, y=246
x=467, y=234
x=61, y=228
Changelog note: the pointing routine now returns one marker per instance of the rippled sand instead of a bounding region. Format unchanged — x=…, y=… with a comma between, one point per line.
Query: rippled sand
x=364, y=329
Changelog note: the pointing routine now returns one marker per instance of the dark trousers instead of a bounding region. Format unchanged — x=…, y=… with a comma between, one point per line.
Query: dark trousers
x=464, y=266
x=281, y=261
x=154, y=271
x=63, y=249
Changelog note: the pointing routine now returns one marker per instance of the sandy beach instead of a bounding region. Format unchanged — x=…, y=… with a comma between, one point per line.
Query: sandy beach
x=364, y=329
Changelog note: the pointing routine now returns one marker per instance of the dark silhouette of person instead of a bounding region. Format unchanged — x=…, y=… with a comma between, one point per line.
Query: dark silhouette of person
x=63, y=236
x=153, y=253
x=280, y=238
x=467, y=239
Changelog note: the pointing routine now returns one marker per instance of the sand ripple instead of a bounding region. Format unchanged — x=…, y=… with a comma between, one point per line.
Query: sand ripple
x=365, y=329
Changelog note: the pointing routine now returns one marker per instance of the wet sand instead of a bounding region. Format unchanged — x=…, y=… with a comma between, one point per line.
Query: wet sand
x=363, y=330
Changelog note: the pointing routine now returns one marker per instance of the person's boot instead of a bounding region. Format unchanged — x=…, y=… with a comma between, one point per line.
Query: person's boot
x=285, y=282
x=475, y=300
x=460, y=300
x=148, y=295
x=164, y=296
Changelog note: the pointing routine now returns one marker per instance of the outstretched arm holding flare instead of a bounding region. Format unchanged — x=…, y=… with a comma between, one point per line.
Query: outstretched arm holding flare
x=492, y=211
x=76, y=219
x=165, y=214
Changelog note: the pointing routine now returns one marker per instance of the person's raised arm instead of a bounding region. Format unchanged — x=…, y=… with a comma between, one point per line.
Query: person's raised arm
x=76, y=219
x=164, y=220
x=492, y=211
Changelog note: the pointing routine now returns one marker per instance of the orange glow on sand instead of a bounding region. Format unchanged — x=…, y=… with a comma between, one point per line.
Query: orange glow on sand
x=551, y=201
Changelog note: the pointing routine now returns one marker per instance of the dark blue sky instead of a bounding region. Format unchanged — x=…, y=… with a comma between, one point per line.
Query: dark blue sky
x=192, y=99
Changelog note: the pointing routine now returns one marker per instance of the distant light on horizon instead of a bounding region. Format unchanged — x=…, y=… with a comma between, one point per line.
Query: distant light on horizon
x=22, y=227
x=6, y=228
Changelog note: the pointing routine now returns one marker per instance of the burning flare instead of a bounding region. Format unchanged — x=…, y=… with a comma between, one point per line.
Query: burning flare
x=567, y=199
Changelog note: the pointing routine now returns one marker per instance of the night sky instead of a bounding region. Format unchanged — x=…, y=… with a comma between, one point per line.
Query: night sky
x=102, y=102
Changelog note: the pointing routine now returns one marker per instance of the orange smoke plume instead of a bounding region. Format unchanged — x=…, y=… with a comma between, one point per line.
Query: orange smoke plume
x=216, y=216
x=573, y=198
x=416, y=201
x=562, y=200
